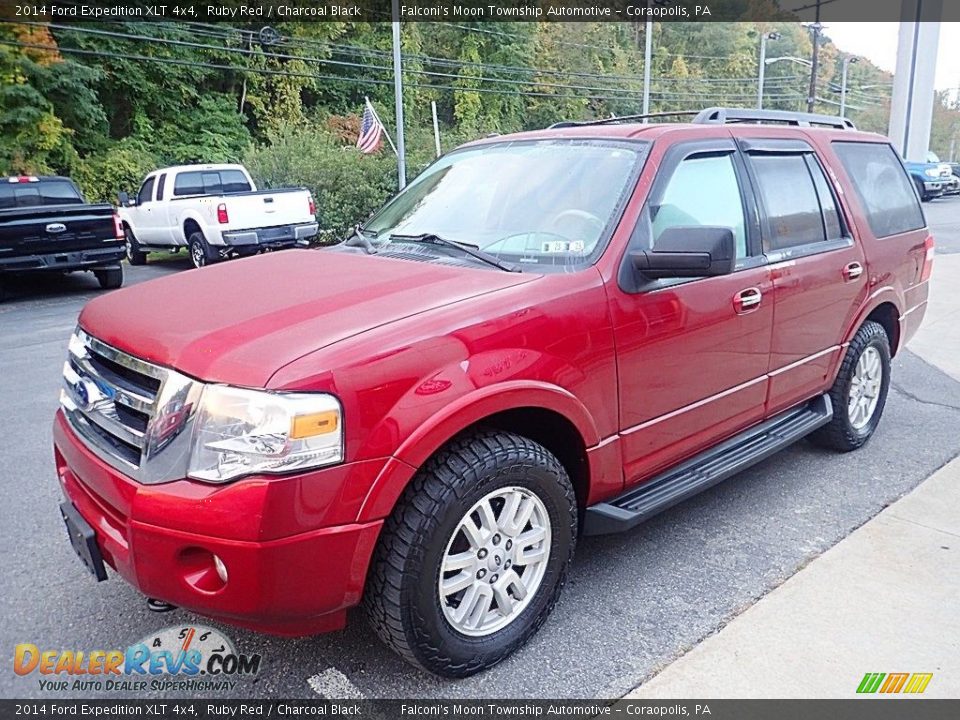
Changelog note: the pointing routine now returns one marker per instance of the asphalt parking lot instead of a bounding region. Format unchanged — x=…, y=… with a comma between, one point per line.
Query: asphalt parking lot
x=635, y=601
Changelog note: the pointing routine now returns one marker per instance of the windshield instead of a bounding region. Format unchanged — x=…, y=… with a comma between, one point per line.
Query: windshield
x=541, y=202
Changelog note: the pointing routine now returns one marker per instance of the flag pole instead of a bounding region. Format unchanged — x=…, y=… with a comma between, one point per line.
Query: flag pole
x=385, y=133
x=398, y=96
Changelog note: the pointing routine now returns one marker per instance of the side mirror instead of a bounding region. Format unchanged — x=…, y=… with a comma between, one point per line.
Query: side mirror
x=689, y=251
x=124, y=199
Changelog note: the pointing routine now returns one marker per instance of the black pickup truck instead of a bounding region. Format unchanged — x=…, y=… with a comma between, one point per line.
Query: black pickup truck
x=45, y=226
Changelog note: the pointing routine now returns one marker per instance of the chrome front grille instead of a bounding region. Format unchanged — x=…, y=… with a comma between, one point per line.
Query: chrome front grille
x=131, y=413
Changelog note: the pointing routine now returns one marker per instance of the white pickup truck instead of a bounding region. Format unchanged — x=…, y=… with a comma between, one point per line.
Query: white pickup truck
x=214, y=210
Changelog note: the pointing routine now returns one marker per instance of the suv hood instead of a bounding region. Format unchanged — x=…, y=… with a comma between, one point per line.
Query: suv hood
x=241, y=321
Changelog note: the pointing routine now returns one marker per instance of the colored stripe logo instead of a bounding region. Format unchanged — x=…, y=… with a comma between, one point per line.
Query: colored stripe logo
x=885, y=683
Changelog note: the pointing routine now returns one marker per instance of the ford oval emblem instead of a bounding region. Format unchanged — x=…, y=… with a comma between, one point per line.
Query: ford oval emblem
x=56, y=228
x=81, y=395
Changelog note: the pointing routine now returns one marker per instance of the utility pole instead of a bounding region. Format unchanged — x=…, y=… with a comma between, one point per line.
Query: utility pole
x=398, y=96
x=817, y=28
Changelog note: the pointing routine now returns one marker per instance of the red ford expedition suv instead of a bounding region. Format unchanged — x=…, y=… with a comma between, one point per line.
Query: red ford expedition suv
x=545, y=335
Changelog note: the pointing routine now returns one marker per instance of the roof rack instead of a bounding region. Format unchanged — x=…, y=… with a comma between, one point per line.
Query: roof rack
x=620, y=119
x=724, y=116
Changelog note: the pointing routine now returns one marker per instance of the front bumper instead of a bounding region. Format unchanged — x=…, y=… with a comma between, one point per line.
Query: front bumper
x=64, y=261
x=282, y=577
x=282, y=236
x=933, y=187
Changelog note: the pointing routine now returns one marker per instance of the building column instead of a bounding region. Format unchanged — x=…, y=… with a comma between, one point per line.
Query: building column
x=911, y=113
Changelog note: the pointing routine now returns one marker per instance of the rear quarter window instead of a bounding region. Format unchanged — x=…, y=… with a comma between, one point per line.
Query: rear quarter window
x=884, y=189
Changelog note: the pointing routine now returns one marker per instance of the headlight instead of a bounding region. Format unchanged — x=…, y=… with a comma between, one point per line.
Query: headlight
x=932, y=172
x=241, y=432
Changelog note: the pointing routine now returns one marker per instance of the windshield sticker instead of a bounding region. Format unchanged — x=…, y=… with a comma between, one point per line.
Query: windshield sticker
x=562, y=246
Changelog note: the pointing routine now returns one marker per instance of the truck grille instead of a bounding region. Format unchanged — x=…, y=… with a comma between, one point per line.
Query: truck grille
x=126, y=410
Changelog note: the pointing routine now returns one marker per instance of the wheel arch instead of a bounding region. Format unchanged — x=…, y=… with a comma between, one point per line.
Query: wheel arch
x=884, y=307
x=545, y=414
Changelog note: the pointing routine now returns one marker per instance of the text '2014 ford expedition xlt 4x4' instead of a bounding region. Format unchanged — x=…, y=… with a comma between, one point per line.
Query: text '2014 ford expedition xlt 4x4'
x=545, y=335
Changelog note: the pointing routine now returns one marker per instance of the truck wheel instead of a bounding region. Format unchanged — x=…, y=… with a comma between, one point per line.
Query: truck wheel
x=135, y=256
x=859, y=392
x=474, y=556
x=200, y=252
x=109, y=278
x=923, y=195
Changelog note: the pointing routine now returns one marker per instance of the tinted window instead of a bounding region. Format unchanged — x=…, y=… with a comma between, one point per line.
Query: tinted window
x=828, y=204
x=160, y=184
x=234, y=181
x=146, y=191
x=884, y=189
x=188, y=183
x=207, y=182
x=702, y=191
x=790, y=200
x=46, y=192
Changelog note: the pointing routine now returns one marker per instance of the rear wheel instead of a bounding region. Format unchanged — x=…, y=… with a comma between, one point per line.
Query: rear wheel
x=135, y=256
x=859, y=392
x=200, y=252
x=474, y=556
x=109, y=278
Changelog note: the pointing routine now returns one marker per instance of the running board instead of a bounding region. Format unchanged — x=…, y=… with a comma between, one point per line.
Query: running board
x=706, y=469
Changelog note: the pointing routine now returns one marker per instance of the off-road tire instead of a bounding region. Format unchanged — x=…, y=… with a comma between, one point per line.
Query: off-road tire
x=109, y=278
x=839, y=433
x=135, y=256
x=401, y=599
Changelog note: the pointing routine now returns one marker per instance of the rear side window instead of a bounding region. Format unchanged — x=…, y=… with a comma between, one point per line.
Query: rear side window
x=160, y=184
x=884, y=189
x=45, y=192
x=210, y=182
x=790, y=200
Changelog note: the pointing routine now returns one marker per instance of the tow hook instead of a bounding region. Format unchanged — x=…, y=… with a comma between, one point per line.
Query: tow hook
x=159, y=606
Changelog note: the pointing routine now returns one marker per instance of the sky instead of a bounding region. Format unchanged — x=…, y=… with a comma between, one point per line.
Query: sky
x=877, y=41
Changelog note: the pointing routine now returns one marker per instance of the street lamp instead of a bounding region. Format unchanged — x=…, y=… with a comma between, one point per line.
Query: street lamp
x=763, y=64
x=847, y=61
x=789, y=58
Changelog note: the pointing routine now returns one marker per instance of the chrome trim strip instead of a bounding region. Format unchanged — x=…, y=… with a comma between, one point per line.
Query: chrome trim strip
x=803, y=361
x=720, y=395
x=914, y=308
x=693, y=406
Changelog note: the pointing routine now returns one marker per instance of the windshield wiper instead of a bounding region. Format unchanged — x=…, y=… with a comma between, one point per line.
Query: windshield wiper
x=359, y=239
x=471, y=250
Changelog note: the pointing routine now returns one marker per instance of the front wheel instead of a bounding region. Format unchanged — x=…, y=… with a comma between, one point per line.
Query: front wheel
x=109, y=278
x=474, y=556
x=859, y=393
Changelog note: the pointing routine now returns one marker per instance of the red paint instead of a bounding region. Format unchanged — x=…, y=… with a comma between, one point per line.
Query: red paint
x=416, y=352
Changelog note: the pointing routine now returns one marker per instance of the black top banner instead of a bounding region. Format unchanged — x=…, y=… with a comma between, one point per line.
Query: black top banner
x=277, y=11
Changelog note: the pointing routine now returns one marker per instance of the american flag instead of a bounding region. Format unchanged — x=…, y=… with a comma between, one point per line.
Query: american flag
x=371, y=130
